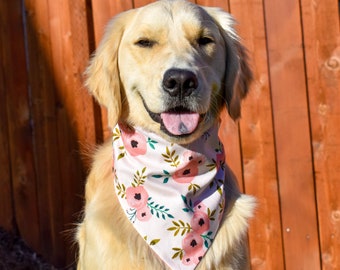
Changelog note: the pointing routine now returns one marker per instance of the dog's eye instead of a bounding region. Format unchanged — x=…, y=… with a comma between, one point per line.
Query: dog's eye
x=145, y=43
x=202, y=41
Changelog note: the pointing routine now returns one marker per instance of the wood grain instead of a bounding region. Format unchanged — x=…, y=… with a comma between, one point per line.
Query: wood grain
x=214, y=3
x=257, y=140
x=7, y=216
x=292, y=138
x=20, y=143
x=62, y=114
x=322, y=48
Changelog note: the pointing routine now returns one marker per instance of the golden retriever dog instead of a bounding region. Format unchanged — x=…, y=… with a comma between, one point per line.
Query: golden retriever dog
x=159, y=195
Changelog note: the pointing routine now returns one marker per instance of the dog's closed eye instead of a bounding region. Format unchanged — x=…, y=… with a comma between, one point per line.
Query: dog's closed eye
x=202, y=41
x=145, y=43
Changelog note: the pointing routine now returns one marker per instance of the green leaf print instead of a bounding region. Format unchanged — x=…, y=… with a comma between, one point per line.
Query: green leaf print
x=211, y=214
x=122, y=154
x=171, y=157
x=132, y=214
x=121, y=190
x=207, y=239
x=166, y=176
x=152, y=242
x=180, y=227
x=189, y=205
x=194, y=188
x=212, y=166
x=116, y=134
x=178, y=253
x=160, y=211
x=221, y=206
x=139, y=178
x=218, y=183
x=151, y=143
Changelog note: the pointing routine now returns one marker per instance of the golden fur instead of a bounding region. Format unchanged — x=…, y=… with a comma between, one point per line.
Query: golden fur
x=125, y=76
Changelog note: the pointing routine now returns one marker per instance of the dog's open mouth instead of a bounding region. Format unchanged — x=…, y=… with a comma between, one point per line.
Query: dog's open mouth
x=178, y=121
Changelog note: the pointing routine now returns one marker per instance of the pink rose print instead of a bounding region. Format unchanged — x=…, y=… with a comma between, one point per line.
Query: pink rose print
x=189, y=156
x=143, y=214
x=134, y=143
x=193, y=258
x=186, y=174
x=190, y=169
x=219, y=159
x=192, y=246
x=200, y=207
x=136, y=197
x=192, y=242
x=200, y=222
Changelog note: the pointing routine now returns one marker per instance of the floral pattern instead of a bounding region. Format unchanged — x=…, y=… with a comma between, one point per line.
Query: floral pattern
x=136, y=197
x=200, y=222
x=134, y=143
x=172, y=194
x=189, y=169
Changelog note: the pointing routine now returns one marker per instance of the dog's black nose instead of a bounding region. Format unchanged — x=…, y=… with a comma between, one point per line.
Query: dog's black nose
x=179, y=82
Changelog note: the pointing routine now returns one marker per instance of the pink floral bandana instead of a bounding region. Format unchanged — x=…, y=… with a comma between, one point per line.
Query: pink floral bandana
x=172, y=194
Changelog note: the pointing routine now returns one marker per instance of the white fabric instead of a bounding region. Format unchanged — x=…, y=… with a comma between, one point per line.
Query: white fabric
x=173, y=194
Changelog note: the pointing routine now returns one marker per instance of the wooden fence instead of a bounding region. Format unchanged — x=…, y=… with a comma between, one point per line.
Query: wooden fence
x=285, y=150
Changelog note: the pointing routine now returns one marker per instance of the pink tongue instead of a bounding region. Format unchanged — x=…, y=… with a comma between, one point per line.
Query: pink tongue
x=180, y=123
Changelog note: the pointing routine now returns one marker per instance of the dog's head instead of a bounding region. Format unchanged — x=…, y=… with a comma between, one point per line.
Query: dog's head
x=169, y=67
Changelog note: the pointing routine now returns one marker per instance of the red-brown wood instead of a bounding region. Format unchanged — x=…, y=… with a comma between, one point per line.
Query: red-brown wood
x=293, y=145
x=21, y=152
x=214, y=3
x=103, y=11
x=140, y=3
x=75, y=114
x=62, y=114
x=322, y=47
x=7, y=216
x=46, y=144
x=257, y=140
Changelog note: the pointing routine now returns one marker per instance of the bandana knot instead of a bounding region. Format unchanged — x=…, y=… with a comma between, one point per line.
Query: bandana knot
x=172, y=194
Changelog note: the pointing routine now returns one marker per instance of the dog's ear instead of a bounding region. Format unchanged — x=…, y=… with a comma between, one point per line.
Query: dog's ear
x=238, y=74
x=102, y=74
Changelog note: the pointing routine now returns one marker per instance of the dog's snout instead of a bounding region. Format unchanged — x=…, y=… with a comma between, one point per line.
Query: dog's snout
x=179, y=82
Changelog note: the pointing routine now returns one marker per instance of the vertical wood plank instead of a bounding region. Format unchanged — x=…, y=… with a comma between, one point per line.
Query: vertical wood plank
x=103, y=11
x=44, y=106
x=322, y=46
x=62, y=115
x=75, y=114
x=6, y=206
x=19, y=126
x=293, y=146
x=257, y=140
x=214, y=3
x=140, y=3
